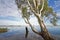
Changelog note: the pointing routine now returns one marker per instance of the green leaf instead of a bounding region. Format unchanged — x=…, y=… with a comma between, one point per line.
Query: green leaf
x=53, y=21
x=25, y=14
x=39, y=7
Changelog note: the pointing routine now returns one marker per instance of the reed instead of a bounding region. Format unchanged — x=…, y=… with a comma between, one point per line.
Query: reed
x=2, y=30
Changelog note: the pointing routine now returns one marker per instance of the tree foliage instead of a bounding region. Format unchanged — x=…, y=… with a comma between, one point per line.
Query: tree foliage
x=46, y=12
x=40, y=10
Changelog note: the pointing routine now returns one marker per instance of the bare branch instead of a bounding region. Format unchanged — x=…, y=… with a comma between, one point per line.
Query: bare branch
x=38, y=3
x=42, y=7
x=34, y=3
x=32, y=27
x=25, y=20
x=31, y=7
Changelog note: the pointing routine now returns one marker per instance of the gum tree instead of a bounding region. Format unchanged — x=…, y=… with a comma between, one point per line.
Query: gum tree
x=40, y=10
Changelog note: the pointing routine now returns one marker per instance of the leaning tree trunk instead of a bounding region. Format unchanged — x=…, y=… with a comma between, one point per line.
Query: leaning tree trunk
x=44, y=33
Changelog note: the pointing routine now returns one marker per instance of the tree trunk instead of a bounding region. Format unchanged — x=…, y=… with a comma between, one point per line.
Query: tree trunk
x=44, y=32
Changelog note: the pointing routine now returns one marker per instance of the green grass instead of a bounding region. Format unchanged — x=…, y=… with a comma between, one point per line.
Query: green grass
x=2, y=30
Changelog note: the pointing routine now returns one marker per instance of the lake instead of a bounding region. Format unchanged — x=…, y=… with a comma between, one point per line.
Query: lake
x=18, y=33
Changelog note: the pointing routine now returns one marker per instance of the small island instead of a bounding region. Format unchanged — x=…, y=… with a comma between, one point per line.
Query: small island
x=2, y=30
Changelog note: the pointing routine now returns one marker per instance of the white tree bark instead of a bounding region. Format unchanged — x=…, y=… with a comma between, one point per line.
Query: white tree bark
x=42, y=8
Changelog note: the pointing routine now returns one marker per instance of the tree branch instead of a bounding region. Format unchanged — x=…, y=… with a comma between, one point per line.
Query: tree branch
x=38, y=3
x=25, y=20
x=31, y=7
x=34, y=3
x=33, y=29
x=42, y=7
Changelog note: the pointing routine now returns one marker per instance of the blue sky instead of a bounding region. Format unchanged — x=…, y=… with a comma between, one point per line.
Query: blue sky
x=9, y=14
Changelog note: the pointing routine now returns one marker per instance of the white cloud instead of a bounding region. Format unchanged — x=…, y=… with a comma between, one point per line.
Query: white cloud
x=8, y=8
x=58, y=14
x=33, y=21
x=57, y=3
x=9, y=22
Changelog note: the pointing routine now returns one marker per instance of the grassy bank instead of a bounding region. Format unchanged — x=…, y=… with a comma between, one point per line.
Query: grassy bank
x=2, y=30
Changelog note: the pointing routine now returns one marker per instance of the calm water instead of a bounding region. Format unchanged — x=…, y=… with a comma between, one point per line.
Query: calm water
x=21, y=30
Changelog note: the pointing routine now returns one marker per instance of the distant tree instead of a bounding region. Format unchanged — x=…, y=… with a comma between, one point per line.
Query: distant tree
x=40, y=10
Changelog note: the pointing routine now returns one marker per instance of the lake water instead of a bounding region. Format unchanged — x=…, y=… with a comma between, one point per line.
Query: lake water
x=55, y=31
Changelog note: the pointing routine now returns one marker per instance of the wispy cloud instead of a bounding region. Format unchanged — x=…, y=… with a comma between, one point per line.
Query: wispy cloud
x=8, y=8
x=10, y=18
x=9, y=12
x=57, y=3
x=58, y=14
x=10, y=22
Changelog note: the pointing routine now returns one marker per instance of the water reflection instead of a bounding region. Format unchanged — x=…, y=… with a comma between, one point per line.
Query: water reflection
x=52, y=30
x=9, y=31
